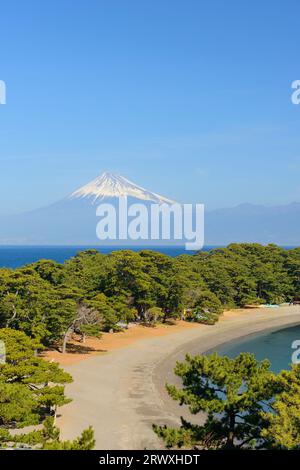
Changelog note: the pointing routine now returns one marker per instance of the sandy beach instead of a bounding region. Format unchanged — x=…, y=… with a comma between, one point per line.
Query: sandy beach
x=121, y=392
x=109, y=342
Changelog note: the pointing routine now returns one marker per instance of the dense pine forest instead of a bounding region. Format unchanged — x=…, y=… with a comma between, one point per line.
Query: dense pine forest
x=93, y=292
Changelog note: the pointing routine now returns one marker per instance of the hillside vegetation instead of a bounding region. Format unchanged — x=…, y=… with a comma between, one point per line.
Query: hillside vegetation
x=93, y=292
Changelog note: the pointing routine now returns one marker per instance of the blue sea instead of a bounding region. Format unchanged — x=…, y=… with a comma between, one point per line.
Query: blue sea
x=275, y=346
x=16, y=256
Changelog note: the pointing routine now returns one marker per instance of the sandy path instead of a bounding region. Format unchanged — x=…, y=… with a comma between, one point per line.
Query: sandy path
x=121, y=393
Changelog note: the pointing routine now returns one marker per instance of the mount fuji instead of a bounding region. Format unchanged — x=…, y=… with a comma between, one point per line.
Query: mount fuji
x=72, y=221
x=109, y=185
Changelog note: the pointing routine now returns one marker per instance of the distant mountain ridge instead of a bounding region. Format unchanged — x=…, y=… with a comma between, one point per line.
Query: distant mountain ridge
x=72, y=221
x=254, y=223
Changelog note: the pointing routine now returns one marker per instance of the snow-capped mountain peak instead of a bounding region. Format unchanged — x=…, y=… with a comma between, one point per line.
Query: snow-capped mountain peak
x=111, y=185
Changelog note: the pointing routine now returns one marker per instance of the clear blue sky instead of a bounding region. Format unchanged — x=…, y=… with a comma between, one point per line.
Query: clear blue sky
x=188, y=98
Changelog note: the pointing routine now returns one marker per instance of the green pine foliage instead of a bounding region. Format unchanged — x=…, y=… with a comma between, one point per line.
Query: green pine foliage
x=31, y=389
x=93, y=292
x=243, y=405
x=283, y=430
x=47, y=438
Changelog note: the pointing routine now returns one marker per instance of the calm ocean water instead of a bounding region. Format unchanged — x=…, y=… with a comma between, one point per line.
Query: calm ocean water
x=16, y=256
x=274, y=345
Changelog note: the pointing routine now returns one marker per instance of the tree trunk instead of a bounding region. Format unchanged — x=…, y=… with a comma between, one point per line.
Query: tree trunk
x=64, y=345
x=230, y=438
x=54, y=415
x=10, y=320
x=65, y=340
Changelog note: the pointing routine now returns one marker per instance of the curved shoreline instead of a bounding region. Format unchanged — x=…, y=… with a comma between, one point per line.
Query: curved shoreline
x=256, y=334
x=122, y=393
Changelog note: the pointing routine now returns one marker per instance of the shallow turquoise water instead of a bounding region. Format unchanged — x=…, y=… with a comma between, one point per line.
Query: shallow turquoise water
x=275, y=346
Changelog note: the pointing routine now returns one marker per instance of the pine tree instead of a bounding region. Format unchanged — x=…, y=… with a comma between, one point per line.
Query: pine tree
x=283, y=429
x=47, y=438
x=233, y=393
x=30, y=391
x=30, y=387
